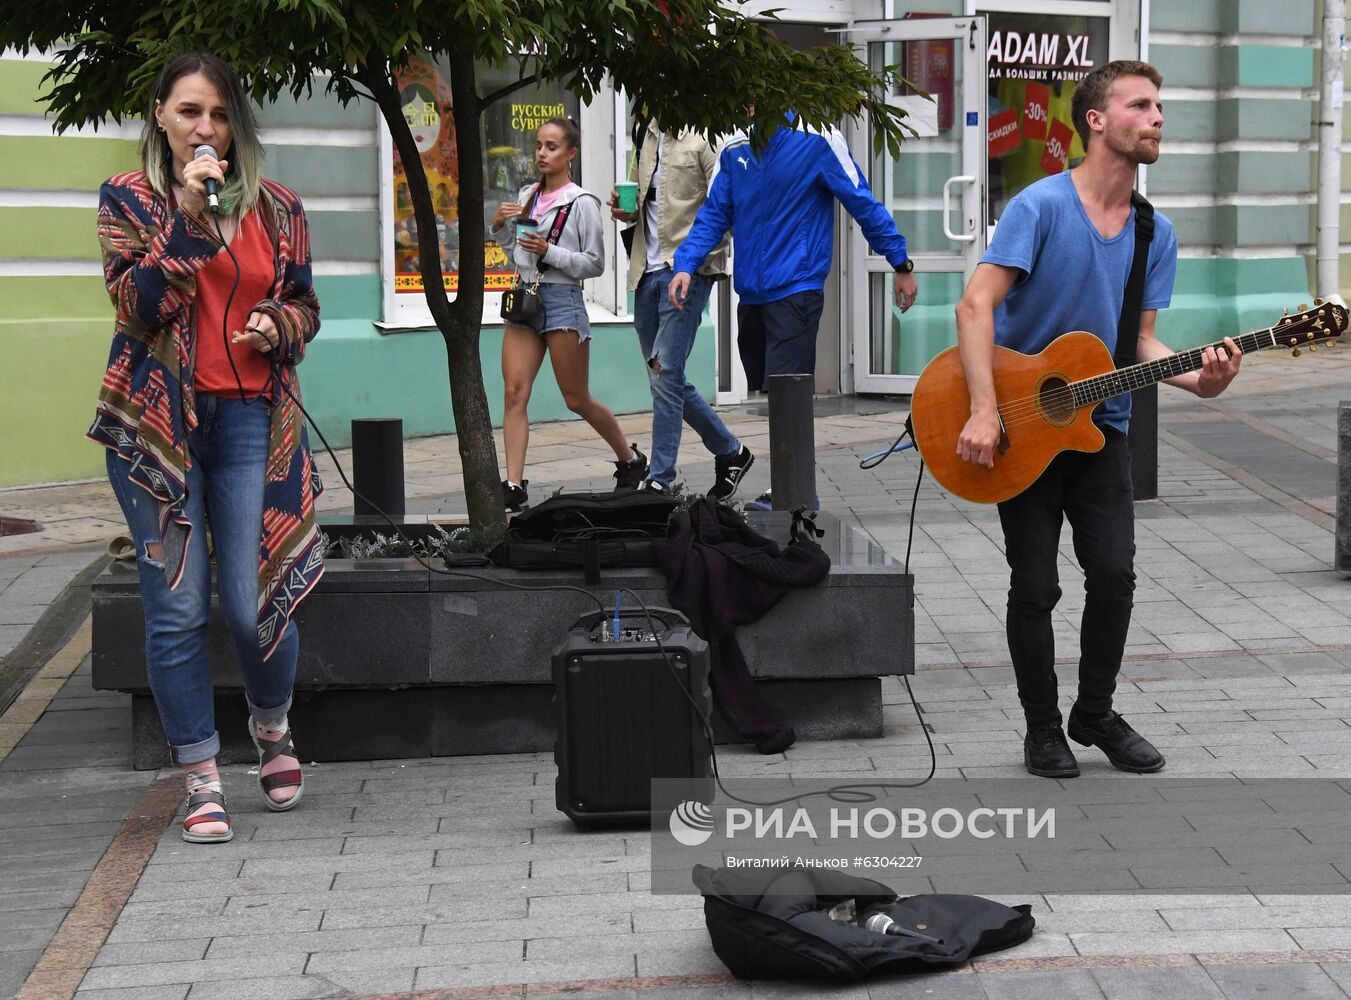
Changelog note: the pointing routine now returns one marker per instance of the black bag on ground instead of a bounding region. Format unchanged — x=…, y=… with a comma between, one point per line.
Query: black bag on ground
x=589, y=531
x=773, y=924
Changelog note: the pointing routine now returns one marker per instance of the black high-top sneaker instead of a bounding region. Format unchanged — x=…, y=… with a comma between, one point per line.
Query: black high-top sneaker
x=630, y=475
x=728, y=472
x=515, y=497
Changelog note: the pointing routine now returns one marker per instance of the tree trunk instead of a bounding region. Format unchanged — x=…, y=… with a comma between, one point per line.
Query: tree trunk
x=458, y=321
x=478, y=451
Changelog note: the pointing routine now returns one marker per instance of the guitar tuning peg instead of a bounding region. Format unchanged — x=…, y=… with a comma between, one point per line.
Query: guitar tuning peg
x=1314, y=348
x=1294, y=353
x=1285, y=312
x=1318, y=302
x=1303, y=307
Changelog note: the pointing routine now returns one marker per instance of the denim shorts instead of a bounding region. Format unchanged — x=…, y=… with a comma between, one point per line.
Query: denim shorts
x=564, y=309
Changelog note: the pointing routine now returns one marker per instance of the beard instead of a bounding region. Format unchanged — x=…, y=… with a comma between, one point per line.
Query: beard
x=1146, y=152
x=1137, y=149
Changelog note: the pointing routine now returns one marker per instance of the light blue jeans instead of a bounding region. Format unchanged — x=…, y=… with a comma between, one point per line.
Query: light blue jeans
x=667, y=338
x=225, y=489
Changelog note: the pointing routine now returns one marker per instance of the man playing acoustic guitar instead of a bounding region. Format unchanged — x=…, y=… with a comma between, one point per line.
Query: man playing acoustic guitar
x=1058, y=262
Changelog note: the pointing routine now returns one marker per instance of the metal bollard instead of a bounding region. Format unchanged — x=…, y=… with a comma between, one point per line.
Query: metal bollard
x=1143, y=439
x=792, y=442
x=377, y=465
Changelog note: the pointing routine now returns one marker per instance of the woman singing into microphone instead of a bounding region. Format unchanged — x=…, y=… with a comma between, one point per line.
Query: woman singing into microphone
x=213, y=312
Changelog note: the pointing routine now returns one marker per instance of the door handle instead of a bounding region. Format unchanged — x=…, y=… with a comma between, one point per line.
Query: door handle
x=947, y=209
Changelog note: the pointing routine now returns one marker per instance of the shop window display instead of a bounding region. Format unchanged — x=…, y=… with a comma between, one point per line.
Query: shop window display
x=1035, y=62
x=508, y=164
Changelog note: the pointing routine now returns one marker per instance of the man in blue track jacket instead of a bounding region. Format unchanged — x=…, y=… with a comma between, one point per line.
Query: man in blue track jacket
x=780, y=208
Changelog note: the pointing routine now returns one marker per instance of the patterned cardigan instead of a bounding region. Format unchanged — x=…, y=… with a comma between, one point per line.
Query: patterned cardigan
x=147, y=405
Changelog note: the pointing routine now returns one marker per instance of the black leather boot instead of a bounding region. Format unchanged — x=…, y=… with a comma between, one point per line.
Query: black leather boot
x=1124, y=747
x=1047, y=755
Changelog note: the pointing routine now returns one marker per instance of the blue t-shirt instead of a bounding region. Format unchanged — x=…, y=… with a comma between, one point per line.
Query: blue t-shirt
x=1072, y=278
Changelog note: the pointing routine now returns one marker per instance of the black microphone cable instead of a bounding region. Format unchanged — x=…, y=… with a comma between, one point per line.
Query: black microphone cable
x=266, y=390
x=277, y=379
x=857, y=792
x=854, y=792
x=403, y=535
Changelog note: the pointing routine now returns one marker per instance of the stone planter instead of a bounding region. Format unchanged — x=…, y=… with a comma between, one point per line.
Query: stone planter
x=396, y=661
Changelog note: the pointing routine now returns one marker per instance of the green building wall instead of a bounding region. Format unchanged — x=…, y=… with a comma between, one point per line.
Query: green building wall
x=54, y=328
x=1237, y=173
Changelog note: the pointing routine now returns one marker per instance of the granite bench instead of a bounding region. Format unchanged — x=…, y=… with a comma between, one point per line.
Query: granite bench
x=396, y=661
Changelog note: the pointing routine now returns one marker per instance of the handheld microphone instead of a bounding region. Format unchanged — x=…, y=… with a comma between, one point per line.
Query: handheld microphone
x=212, y=196
x=881, y=923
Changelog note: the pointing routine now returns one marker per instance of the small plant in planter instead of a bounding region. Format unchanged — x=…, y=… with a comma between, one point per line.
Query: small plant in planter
x=442, y=544
x=685, y=498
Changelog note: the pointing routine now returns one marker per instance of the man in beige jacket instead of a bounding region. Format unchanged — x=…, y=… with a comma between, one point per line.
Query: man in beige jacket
x=673, y=175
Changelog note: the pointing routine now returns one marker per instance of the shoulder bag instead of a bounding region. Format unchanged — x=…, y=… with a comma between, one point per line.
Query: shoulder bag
x=520, y=303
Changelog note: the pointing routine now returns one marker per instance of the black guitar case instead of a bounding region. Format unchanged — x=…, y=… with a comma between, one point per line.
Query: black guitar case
x=586, y=531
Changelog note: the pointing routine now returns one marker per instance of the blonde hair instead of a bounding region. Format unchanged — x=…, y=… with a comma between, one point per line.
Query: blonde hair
x=246, y=149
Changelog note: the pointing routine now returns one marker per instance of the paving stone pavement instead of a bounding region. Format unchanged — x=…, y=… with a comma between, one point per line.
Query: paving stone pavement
x=458, y=874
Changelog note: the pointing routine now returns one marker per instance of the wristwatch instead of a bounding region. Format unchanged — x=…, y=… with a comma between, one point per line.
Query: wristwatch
x=905, y=267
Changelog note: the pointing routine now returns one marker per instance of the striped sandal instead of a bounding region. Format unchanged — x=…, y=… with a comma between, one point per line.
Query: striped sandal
x=195, y=801
x=268, y=751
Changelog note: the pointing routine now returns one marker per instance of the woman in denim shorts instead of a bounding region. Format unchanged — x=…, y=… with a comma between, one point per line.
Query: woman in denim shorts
x=559, y=255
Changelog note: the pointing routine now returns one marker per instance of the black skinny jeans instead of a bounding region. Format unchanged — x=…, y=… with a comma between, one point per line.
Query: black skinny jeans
x=1093, y=490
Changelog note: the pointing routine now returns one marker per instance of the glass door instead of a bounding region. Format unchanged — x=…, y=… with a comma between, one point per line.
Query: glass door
x=935, y=190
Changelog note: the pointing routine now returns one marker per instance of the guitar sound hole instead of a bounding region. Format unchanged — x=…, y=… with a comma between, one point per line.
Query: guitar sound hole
x=1056, y=400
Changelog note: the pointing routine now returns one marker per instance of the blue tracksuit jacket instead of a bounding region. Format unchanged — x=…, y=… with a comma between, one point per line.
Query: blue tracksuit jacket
x=780, y=210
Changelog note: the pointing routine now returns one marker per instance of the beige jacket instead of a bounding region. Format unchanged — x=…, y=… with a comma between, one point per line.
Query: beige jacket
x=688, y=162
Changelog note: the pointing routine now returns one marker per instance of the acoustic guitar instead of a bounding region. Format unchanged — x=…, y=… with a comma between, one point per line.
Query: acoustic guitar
x=1046, y=400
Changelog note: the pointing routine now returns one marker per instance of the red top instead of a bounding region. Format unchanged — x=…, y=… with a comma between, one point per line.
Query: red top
x=257, y=274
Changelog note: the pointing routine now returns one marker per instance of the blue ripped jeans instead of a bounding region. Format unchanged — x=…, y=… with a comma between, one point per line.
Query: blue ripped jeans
x=225, y=489
x=667, y=338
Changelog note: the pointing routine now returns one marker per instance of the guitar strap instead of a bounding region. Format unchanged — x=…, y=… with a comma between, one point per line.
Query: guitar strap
x=1134, y=298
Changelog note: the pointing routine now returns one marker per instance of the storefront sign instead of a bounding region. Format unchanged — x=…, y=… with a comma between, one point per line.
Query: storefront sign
x=1036, y=110
x=1004, y=134
x=1057, y=151
x=1039, y=55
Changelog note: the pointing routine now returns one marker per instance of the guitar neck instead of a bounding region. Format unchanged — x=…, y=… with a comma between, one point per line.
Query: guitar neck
x=1091, y=391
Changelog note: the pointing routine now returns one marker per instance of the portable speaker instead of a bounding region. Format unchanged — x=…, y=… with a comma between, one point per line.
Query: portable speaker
x=622, y=717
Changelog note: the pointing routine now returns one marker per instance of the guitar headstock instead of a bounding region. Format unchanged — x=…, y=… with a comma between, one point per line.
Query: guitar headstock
x=1326, y=321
